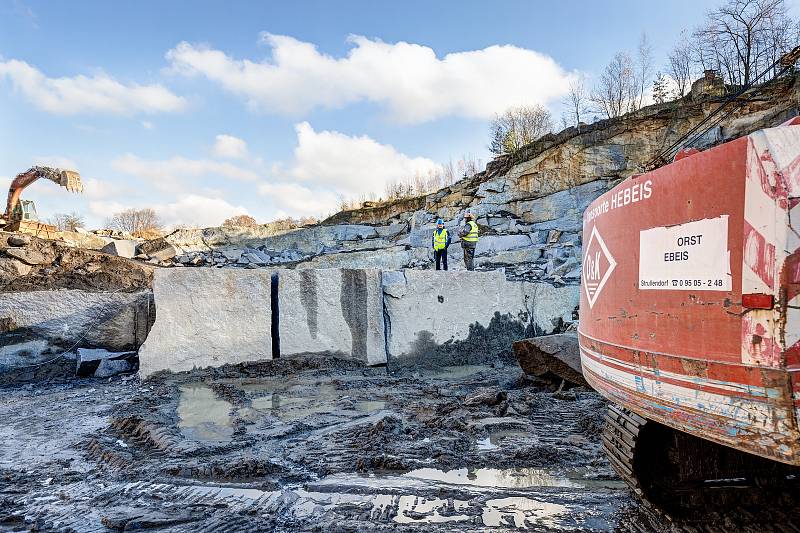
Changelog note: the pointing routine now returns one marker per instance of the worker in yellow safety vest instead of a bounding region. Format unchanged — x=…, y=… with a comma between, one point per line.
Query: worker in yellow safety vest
x=469, y=239
x=440, y=242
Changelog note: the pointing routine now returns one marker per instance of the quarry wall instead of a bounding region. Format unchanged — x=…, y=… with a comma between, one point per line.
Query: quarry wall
x=529, y=205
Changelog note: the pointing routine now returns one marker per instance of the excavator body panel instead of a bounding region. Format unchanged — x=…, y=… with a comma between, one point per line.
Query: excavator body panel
x=690, y=297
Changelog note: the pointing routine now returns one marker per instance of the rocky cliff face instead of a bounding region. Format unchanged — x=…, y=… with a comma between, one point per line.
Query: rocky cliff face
x=529, y=204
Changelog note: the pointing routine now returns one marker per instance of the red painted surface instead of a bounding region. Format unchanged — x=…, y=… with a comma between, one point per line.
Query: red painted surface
x=693, y=356
x=758, y=301
x=684, y=153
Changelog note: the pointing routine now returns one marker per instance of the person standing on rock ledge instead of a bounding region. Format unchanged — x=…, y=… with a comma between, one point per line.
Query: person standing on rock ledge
x=440, y=242
x=469, y=239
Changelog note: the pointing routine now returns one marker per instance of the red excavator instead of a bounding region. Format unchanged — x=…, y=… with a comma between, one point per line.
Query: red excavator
x=20, y=215
x=690, y=321
x=690, y=318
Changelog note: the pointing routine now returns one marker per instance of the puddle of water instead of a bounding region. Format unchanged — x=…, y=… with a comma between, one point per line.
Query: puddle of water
x=369, y=406
x=493, y=441
x=292, y=403
x=418, y=510
x=520, y=511
x=203, y=416
x=513, y=478
x=486, y=444
x=415, y=509
x=290, y=407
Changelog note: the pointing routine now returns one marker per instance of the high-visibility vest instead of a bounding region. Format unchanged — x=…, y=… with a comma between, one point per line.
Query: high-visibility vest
x=472, y=236
x=439, y=239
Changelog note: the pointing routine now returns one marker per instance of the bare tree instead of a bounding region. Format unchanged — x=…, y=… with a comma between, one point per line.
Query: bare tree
x=577, y=102
x=517, y=127
x=243, y=221
x=660, y=89
x=644, y=69
x=616, y=87
x=137, y=222
x=468, y=165
x=66, y=221
x=743, y=37
x=679, y=65
x=448, y=173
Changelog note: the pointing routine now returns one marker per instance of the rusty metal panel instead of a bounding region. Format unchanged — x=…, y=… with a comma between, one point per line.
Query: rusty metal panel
x=667, y=258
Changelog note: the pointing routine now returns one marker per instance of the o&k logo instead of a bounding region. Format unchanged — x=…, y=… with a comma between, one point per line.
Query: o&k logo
x=598, y=264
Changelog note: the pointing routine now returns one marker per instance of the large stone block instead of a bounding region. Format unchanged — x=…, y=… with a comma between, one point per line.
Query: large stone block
x=492, y=244
x=558, y=355
x=121, y=247
x=393, y=258
x=332, y=312
x=446, y=318
x=208, y=317
x=551, y=308
x=70, y=318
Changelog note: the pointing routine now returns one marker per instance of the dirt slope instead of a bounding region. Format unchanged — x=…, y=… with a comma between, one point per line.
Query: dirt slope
x=40, y=264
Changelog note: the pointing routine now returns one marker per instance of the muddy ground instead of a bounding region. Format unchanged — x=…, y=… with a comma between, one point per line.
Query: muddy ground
x=47, y=264
x=302, y=445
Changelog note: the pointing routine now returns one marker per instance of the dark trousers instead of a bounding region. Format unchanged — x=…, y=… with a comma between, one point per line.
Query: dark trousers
x=469, y=256
x=440, y=256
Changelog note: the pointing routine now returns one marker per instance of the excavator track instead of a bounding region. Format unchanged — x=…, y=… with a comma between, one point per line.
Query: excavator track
x=620, y=435
x=674, y=472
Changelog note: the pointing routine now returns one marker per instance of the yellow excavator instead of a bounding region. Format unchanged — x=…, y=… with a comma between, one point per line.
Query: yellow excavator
x=20, y=215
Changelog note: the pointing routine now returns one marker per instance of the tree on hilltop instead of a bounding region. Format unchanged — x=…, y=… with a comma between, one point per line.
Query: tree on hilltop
x=517, y=127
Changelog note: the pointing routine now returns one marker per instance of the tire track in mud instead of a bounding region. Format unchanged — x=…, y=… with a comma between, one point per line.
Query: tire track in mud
x=315, y=448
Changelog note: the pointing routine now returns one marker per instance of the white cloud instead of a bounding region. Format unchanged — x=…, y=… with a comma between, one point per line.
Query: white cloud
x=351, y=165
x=198, y=211
x=408, y=78
x=173, y=174
x=95, y=189
x=105, y=209
x=146, y=124
x=298, y=200
x=229, y=146
x=99, y=93
x=188, y=210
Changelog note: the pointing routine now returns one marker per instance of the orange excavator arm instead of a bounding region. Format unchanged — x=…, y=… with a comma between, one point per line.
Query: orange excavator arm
x=69, y=179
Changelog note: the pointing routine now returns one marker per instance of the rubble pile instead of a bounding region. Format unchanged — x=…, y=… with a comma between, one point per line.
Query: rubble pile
x=29, y=264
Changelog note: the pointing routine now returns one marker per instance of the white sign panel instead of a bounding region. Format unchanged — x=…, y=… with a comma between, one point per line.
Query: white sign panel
x=687, y=256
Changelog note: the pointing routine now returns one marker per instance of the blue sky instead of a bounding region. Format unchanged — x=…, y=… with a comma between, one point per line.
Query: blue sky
x=208, y=109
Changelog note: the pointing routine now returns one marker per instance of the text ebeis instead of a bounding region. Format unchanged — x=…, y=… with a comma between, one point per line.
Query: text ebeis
x=683, y=255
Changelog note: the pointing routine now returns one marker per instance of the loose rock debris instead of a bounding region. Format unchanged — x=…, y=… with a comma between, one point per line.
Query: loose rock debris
x=310, y=445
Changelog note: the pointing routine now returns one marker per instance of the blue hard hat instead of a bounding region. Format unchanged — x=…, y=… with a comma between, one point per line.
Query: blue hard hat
x=439, y=221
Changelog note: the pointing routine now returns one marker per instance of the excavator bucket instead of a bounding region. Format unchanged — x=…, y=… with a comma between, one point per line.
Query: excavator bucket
x=71, y=180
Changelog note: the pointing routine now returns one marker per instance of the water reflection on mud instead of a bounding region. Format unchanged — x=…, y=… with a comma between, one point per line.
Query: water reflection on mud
x=202, y=415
